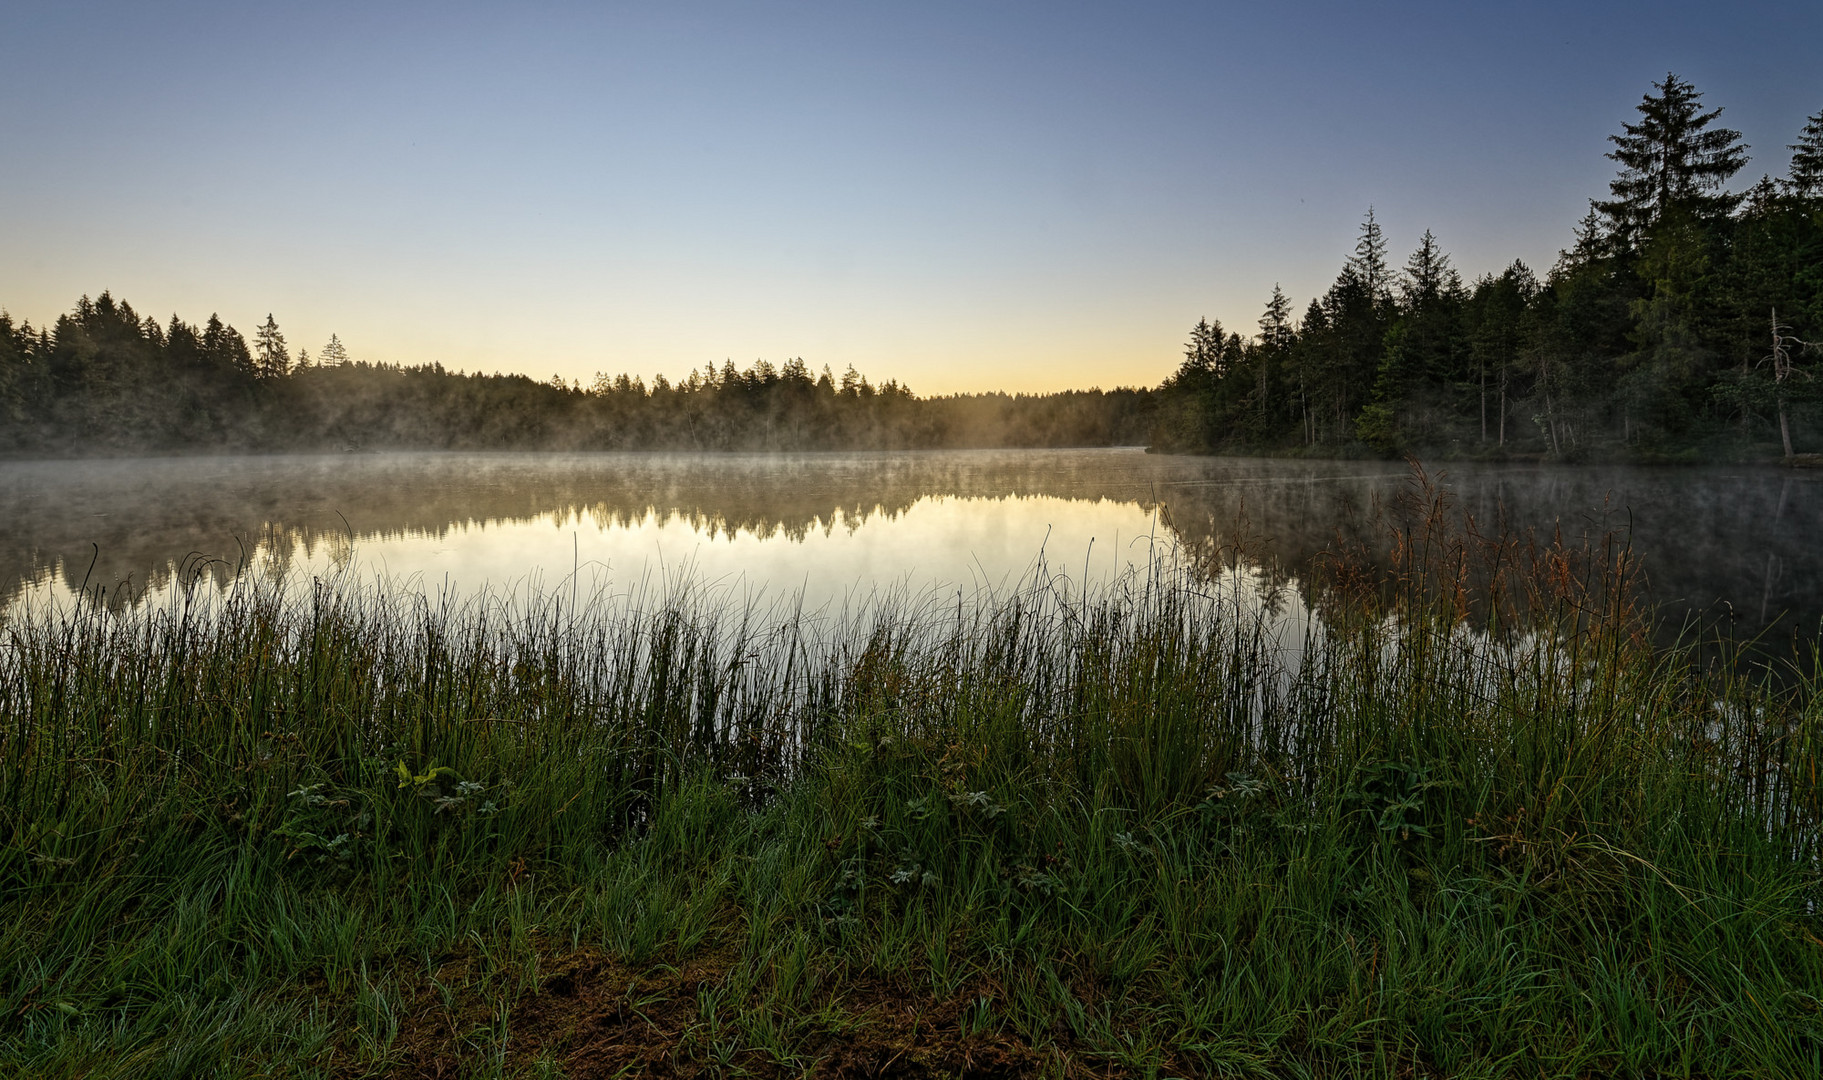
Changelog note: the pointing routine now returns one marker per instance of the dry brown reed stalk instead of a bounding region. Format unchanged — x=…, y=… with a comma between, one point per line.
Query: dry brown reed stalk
x=1446, y=569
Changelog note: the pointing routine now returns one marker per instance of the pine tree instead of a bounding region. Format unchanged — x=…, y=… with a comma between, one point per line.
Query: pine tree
x=1672, y=162
x=271, y=359
x=1805, y=179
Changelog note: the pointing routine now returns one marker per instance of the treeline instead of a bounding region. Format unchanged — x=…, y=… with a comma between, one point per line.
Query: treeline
x=786, y=407
x=104, y=379
x=1680, y=325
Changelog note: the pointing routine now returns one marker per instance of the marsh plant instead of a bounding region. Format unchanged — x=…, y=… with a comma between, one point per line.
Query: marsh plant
x=1474, y=823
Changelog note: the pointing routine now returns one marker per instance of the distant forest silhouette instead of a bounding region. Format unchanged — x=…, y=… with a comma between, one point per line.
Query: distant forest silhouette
x=1682, y=324
x=105, y=379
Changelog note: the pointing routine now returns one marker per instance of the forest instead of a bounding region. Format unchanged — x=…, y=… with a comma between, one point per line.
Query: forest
x=105, y=380
x=1681, y=324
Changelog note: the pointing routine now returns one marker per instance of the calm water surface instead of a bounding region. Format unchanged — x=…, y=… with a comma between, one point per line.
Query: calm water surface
x=1741, y=544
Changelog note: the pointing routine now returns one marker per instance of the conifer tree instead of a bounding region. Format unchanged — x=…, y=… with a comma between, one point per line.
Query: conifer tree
x=225, y=348
x=1428, y=275
x=271, y=359
x=13, y=353
x=1495, y=329
x=1311, y=342
x=1340, y=365
x=1269, y=359
x=1203, y=352
x=1368, y=263
x=1805, y=179
x=1591, y=242
x=334, y=354
x=1671, y=162
x=1275, y=322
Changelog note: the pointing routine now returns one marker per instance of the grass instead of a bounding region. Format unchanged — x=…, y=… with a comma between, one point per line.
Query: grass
x=1479, y=826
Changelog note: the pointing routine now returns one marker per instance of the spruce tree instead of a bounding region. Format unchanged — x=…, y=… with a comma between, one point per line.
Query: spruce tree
x=1203, y=352
x=1275, y=323
x=13, y=354
x=1592, y=242
x=271, y=359
x=1368, y=263
x=334, y=354
x=1672, y=162
x=226, y=349
x=1310, y=343
x=1805, y=179
x=1419, y=348
x=1269, y=358
x=1428, y=275
x=1341, y=365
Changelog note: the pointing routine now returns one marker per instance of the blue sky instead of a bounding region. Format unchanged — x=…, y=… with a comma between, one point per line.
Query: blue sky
x=962, y=196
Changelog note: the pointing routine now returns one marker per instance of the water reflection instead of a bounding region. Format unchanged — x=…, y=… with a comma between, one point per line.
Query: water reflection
x=1740, y=543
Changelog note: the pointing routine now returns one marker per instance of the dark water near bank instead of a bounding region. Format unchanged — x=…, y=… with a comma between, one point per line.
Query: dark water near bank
x=1736, y=544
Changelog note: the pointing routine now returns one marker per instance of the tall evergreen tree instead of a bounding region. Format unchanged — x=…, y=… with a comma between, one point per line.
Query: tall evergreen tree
x=1188, y=419
x=334, y=354
x=1203, y=352
x=1428, y=276
x=1496, y=329
x=1275, y=322
x=15, y=346
x=1672, y=162
x=1805, y=178
x=1268, y=359
x=1312, y=341
x=1341, y=364
x=1368, y=263
x=1592, y=240
x=1419, y=355
x=226, y=348
x=271, y=360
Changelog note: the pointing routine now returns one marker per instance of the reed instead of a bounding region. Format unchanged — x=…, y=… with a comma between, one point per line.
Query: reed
x=1474, y=825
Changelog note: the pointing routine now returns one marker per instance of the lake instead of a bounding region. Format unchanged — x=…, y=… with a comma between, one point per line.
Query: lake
x=1738, y=544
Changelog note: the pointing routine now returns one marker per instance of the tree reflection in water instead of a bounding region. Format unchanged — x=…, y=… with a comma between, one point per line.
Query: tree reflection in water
x=1734, y=545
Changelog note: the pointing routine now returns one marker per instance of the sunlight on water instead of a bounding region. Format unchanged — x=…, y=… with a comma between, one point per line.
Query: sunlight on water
x=964, y=547
x=940, y=543
x=838, y=528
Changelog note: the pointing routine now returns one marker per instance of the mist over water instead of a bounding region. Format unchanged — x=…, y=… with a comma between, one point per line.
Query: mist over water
x=1738, y=544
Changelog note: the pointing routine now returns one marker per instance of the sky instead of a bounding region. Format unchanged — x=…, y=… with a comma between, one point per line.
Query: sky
x=964, y=197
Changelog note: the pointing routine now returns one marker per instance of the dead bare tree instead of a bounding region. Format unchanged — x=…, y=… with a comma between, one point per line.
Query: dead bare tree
x=1783, y=369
